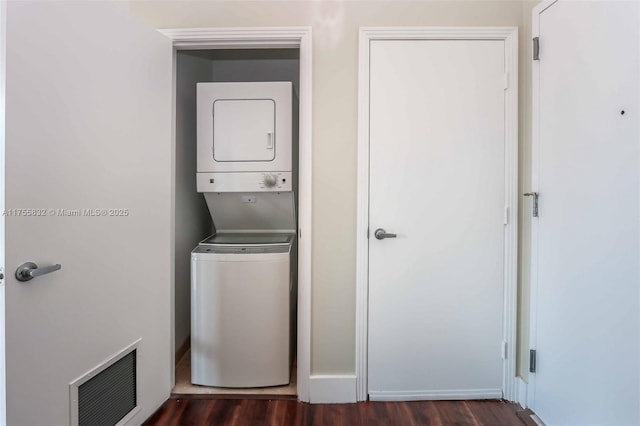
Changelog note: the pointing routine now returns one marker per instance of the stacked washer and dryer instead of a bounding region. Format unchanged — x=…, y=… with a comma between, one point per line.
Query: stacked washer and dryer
x=241, y=276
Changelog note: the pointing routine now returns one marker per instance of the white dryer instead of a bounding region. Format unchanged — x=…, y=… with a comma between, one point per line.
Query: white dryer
x=241, y=310
x=244, y=136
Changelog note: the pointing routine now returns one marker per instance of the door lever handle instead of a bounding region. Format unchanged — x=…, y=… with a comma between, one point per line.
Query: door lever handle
x=29, y=270
x=381, y=234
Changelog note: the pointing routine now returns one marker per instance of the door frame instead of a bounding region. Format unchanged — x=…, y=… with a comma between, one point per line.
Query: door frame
x=510, y=36
x=268, y=38
x=535, y=147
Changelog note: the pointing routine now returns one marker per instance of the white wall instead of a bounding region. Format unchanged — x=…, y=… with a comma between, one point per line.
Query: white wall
x=192, y=219
x=335, y=69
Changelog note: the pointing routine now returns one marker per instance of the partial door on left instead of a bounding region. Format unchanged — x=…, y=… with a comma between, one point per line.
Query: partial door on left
x=88, y=186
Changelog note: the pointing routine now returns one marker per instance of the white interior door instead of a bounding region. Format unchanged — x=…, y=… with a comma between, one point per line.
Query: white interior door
x=437, y=180
x=586, y=328
x=88, y=126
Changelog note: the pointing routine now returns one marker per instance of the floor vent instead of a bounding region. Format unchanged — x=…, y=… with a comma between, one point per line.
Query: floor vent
x=107, y=395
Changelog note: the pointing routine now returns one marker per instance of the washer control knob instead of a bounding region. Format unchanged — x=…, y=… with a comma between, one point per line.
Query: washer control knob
x=270, y=181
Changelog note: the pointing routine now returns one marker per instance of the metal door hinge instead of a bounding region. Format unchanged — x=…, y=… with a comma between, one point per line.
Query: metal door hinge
x=535, y=196
x=532, y=361
x=536, y=48
x=506, y=80
x=504, y=349
x=367, y=233
x=506, y=215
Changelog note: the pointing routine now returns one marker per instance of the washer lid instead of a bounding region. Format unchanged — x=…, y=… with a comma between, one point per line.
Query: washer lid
x=248, y=239
x=231, y=249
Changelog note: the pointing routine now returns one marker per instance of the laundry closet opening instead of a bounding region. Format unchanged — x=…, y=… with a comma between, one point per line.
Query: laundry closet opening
x=236, y=216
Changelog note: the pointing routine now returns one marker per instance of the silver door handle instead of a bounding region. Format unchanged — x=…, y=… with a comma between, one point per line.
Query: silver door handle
x=29, y=270
x=381, y=234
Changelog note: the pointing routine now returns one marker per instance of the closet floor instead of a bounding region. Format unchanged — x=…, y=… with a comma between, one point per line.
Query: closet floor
x=184, y=388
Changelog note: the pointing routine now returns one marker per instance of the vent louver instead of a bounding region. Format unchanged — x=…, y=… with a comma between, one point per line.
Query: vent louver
x=110, y=395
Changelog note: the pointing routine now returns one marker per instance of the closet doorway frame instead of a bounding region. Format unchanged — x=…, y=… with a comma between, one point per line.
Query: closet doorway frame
x=266, y=38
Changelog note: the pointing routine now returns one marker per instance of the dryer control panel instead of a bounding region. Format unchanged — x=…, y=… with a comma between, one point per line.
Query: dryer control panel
x=245, y=182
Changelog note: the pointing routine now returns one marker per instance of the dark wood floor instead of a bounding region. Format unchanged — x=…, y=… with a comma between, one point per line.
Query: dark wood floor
x=251, y=412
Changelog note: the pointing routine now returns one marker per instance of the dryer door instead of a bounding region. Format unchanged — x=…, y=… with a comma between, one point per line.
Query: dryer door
x=243, y=130
x=244, y=127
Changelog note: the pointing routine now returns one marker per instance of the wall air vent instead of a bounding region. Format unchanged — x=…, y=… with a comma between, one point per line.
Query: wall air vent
x=107, y=395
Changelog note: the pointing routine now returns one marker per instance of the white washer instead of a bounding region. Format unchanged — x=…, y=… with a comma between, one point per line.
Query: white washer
x=241, y=310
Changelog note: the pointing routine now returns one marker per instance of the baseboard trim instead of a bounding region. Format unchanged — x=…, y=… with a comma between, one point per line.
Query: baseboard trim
x=435, y=395
x=332, y=389
x=521, y=392
x=273, y=396
x=537, y=420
